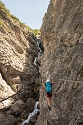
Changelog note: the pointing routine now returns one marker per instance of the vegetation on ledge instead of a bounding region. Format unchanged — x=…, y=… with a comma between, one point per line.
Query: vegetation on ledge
x=7, y=12
x=36, y=32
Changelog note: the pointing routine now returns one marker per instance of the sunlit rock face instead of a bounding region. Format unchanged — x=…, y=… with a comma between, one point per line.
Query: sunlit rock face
x=5, y=91
x=18, y=49
x=18, y=74
x=62, y=35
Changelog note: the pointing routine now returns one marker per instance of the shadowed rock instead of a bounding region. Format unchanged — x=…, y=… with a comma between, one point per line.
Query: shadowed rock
x=62, y=34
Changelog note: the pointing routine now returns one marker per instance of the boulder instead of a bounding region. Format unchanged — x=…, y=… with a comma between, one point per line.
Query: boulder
x=17, y=108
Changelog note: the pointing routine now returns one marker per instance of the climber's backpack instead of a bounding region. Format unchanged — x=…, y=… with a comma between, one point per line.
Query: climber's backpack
x=48, y=87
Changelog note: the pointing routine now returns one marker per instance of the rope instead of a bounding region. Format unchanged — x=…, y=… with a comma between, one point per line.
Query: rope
x=70, y=81
x=12, y=95
x=8, y=97
x=24, y=90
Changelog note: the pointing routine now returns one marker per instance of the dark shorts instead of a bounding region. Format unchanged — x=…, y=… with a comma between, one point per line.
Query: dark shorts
x=48, y=95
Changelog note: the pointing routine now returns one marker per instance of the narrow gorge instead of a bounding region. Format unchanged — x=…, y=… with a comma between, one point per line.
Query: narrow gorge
x=27, y=60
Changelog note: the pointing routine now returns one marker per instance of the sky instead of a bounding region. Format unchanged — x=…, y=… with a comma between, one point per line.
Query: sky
x=30, y=12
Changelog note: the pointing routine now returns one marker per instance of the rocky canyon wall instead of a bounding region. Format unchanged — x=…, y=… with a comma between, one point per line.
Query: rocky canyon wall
x=18, y=73
x=62, y=35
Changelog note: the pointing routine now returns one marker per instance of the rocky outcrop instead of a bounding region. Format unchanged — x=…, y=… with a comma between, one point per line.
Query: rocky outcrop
x=62, y=35
x=18, y=49
x=18, y=74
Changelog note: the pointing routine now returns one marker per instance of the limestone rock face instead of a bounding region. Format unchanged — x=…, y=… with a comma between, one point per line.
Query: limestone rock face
x=17, y=108
x=7, y=119
x=18, y=49
x=62, y=36
x=5, y=91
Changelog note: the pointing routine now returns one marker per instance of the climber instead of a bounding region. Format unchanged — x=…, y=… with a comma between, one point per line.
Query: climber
x=48, y=88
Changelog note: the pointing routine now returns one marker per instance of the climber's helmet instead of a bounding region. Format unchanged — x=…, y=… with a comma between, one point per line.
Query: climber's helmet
x=48, y=80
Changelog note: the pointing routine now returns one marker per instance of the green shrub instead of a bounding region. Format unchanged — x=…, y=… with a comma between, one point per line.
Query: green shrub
x=2, y=7
x=36, y=32
x=14, y=17
x=24, y=25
